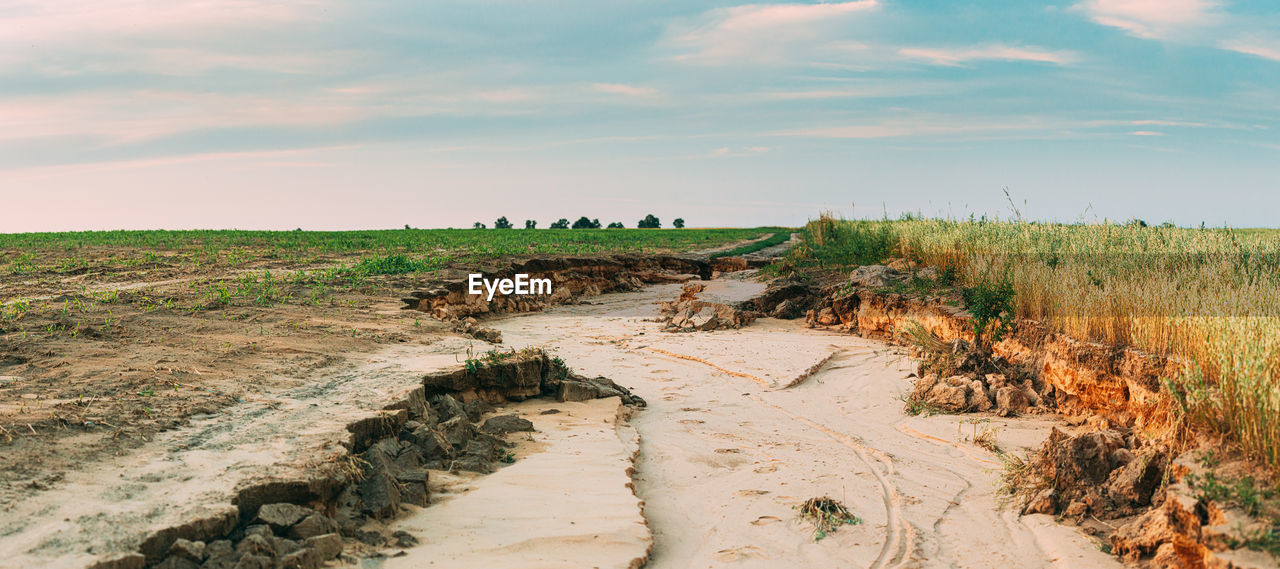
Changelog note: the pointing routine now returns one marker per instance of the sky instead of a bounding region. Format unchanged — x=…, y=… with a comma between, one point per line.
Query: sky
x=329, y=114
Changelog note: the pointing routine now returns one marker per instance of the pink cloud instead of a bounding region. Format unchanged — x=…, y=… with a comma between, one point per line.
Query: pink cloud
x=1146, y=133
x=1151, y=18
x=624, y=89
x=761, y=33
x=959, y=56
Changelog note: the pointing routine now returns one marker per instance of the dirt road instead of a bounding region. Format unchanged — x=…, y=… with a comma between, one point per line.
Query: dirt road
x=727, y=451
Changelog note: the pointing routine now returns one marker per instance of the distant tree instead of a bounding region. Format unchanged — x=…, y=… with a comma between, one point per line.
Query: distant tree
x=649, y=222
x=502, y=223
x=477, y=225
x=678, y=223
x=616, y=225
x=406, y=226
x=584, y=223
x=561, y=223
x=595, y=224
x=530, y=224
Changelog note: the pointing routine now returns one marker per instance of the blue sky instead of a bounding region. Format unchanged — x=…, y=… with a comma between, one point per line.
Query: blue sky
x=324, y=114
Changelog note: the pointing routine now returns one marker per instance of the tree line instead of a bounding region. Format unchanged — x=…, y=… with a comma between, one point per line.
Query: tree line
x=649, y=222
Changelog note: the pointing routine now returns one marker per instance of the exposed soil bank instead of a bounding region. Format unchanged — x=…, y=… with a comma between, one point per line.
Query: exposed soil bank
x=727, y=449
x=1119, y=384
x=571, y=277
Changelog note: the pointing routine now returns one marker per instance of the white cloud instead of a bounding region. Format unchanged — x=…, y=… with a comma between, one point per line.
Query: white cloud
x=959, y=56
x=1266, y=48
x=762, y=33
x=1153, y=19
x=1146, y=133
x=727, y=152
x=624, y=89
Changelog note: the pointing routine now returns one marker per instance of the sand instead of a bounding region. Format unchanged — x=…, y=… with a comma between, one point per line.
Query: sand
x=726, y=453
x=566, y=502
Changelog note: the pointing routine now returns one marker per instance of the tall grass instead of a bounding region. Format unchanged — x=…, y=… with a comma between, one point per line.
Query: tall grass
x=1208, y=297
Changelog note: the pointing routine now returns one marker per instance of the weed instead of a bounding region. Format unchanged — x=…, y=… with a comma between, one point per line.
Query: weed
x=827, y=515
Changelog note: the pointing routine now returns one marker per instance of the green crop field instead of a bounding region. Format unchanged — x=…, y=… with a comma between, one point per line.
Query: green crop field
x=34, y=253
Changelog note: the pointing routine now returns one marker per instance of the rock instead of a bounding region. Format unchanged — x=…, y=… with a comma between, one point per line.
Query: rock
x=690, y=290
x=1171, y=523
x=263, y=530
x=313, y=525
x=1043, y=502
x=380, y=495
x=218, y=548
x=1076, y=509
x=476, y=408
x=483, y=448
x=704, y=319
x=928, y=273
x=786, y=310
x=254, y=562
x=301, y=559
x=416, y=490
x=872, y=276
x=1011, y=399
x=457, y=431
x=827, y=317
x=430, y=442
x=1083, y=459
x=404, y=539
x=473, y=463
x=121, y=561
x=369, y=430
x=281, y=517
x=978, y=398
x=256, y=545
x=576, y=391
x=503, y=424
x=410, y=457
x=283, y=546
x=1133, y=483
x=214, y=525
x=187, y=549
x=446, y=407
x=920, y=389
x=328, y=546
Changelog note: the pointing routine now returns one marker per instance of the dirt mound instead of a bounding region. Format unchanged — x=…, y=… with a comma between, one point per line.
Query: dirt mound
x=688, y=314
x=785, y=298
x=1106, y=474
x=447, y=298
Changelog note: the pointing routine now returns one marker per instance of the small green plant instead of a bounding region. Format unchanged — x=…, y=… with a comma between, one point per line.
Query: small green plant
x=991, y=305
x=827, y=515
x=508, y=458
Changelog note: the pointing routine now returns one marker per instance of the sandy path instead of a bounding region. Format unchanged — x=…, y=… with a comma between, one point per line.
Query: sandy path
x=726, y=453
x=566, y=502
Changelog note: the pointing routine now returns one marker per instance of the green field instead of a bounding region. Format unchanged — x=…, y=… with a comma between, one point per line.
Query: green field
x=1207, y=296
x=33, y=253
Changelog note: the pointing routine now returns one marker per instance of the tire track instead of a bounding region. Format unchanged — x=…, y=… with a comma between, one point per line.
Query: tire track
x=900, y=535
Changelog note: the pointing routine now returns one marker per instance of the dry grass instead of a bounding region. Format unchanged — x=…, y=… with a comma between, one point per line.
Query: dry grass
x=827, y=515
x=1208, y=297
